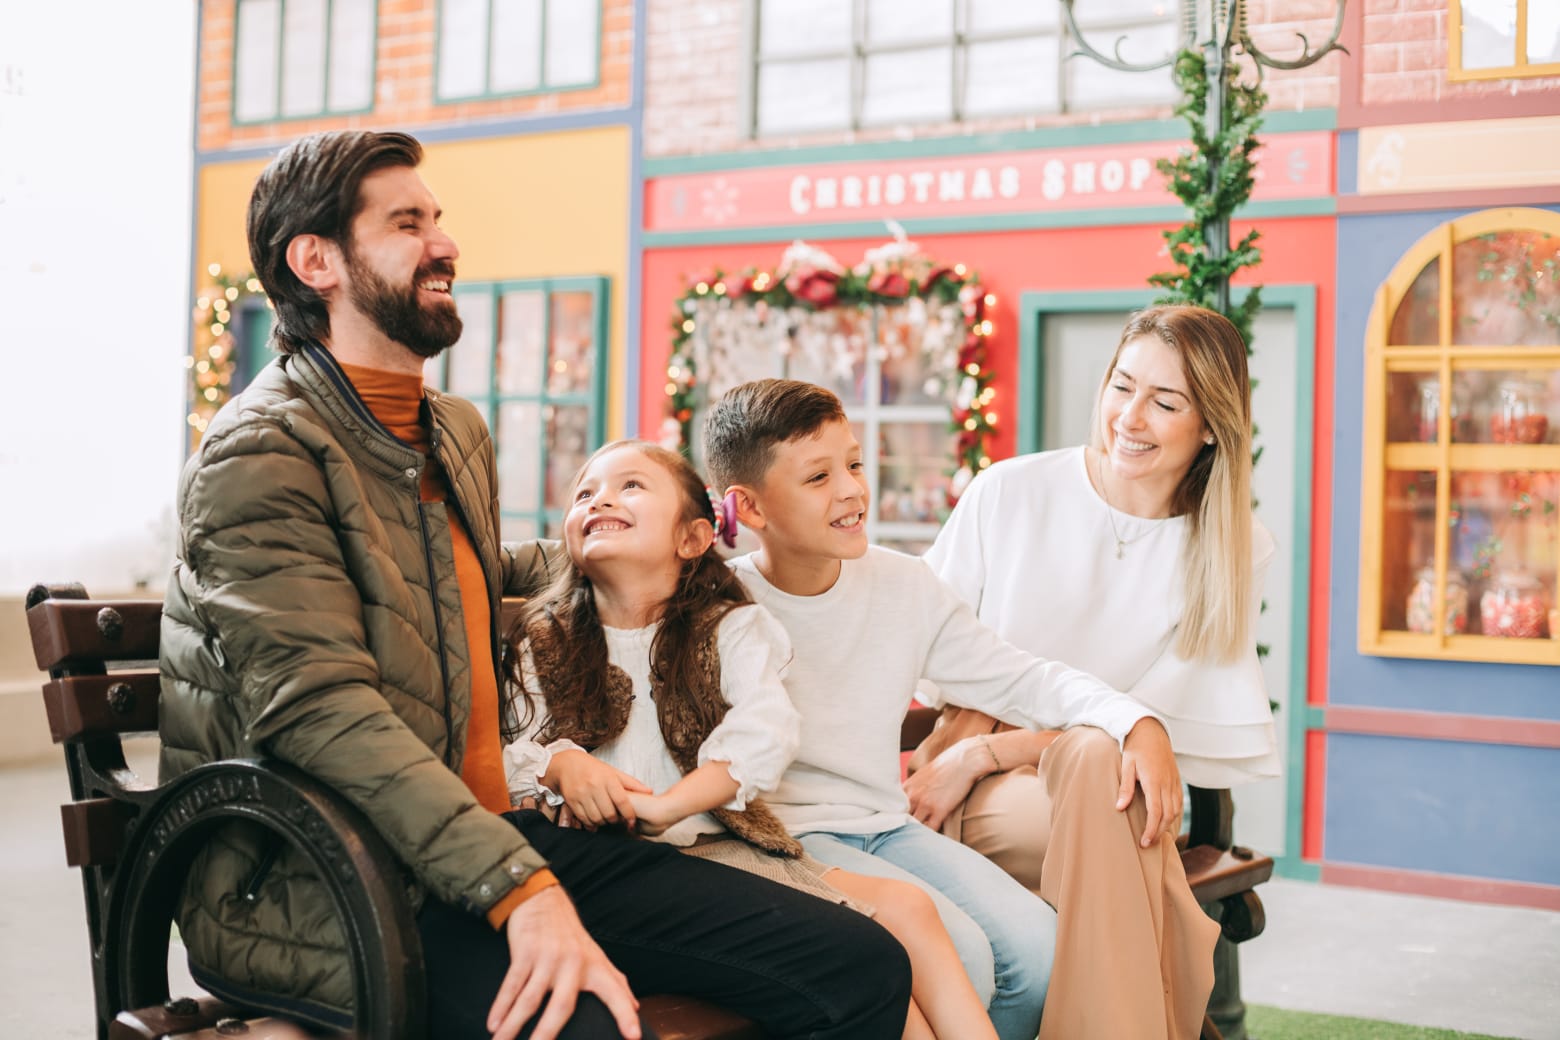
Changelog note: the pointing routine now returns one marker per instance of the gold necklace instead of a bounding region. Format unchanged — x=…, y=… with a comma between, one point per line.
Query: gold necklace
x=1110, y=514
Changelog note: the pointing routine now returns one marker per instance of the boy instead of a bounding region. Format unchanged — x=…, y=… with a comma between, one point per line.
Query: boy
x=866, y=625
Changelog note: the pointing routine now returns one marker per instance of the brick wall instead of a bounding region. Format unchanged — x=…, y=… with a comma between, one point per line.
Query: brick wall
x=697, y=69
x=403, y=90
x=1407, y=54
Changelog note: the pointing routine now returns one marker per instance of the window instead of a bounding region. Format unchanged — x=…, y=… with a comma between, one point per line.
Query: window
x=493, y=48
x=887, y=365
x=1458, y=553
x=1497, y=39
x=298, y=58
x=532, y=358
x=836, y=64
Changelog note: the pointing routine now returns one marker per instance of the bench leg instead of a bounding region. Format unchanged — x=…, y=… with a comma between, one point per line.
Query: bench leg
x=1225, y=1007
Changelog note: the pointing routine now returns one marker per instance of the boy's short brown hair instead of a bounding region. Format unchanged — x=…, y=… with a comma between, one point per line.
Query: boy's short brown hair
x=742, y=429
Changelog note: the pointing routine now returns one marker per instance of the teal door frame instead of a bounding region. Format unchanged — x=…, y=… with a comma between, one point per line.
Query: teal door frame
x=1033, y=307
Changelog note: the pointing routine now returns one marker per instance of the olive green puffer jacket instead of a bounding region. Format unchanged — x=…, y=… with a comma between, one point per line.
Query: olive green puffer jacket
x=314, y=617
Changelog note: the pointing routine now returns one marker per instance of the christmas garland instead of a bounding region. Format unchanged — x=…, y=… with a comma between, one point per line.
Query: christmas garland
x=810, y=279
x=212, y=357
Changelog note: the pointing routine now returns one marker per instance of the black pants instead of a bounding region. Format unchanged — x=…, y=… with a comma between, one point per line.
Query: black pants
x=798, y=965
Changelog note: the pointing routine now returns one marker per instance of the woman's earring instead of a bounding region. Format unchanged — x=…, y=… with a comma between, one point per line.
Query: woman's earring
x=1208, y=439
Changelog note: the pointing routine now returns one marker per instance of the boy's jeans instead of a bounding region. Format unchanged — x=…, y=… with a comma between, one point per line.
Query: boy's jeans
x=1004, y=933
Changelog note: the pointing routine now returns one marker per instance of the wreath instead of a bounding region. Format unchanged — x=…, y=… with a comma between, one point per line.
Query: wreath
x=809, y=280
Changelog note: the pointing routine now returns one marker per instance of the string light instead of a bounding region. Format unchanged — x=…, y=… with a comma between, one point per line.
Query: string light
x=210, y=362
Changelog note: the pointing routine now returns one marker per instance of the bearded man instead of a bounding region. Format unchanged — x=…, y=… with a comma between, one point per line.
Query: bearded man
x=335, y=604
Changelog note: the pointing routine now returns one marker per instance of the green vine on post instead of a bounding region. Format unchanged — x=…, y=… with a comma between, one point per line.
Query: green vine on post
x=1213, y=179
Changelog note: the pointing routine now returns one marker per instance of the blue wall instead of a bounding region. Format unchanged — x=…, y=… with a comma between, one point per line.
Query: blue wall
x=1463, y=808
x=1443, y=806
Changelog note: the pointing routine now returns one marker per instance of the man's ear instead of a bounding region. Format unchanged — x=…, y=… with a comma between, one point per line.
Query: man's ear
x=695, y=539
x=749, y=511
x=315, y=261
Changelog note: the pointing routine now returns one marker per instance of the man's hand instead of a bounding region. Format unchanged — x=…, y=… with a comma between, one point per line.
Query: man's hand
x=594, y=792
x=938, y=787
x=1147, y=761
x=550, y=952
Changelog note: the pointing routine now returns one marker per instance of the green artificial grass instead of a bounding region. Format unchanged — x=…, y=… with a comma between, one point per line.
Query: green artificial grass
x=1268, y=1023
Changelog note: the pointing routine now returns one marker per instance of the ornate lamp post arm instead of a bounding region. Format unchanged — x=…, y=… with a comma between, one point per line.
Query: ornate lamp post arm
x=1216, y=28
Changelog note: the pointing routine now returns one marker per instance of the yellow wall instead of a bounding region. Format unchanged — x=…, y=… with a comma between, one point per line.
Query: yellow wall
x=533, y=206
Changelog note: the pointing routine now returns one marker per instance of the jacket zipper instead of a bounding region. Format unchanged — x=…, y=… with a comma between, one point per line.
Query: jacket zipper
x=349, y=394
x=438, y=624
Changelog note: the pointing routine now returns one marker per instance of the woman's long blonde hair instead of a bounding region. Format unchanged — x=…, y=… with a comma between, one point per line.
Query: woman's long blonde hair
x=1215, y=494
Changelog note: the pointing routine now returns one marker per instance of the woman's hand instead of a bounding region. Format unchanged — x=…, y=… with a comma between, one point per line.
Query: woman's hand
x=1147, y=761
x=551, y=953
x=938, y=787
x=593, y=792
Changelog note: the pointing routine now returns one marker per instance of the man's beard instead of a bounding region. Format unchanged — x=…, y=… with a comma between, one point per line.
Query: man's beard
x=400, y=315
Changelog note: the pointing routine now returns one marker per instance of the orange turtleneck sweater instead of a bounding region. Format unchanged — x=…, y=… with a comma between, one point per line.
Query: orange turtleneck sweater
x=396, y=401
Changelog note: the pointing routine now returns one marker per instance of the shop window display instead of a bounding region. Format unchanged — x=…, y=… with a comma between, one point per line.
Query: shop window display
x=899, y=338
x=1461, y=456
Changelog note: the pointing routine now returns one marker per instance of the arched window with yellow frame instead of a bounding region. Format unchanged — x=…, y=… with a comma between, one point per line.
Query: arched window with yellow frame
x=1461, y=497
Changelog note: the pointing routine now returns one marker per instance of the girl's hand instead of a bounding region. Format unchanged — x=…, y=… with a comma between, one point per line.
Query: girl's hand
x=938, y=787
x=594, y=793
x=1147, y=761
x=655, y=813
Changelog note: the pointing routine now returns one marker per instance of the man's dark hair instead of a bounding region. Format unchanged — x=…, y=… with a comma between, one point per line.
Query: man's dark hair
x=743, y=428
x=311, y=188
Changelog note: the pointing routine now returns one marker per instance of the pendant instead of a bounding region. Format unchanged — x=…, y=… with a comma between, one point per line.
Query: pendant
x=1120, y=546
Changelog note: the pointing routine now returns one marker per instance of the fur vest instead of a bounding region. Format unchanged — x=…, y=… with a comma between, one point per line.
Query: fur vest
x=687, y=719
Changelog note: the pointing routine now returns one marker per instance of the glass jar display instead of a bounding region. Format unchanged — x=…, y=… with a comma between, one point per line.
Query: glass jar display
x=1514, y=606
x=1420, y=612
x=1427, y=410
x=1519, y=414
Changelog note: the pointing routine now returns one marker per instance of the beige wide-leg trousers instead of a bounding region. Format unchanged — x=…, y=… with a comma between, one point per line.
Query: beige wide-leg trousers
x=1134, y=951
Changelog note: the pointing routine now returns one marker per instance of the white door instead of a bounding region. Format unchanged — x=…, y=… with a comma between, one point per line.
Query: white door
x=1075, y=348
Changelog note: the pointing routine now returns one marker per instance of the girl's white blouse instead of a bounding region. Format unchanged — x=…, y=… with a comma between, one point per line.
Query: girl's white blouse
x=757, y=739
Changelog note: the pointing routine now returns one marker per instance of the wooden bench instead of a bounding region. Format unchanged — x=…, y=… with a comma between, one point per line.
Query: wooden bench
x=134, y=841
x=1222, y=875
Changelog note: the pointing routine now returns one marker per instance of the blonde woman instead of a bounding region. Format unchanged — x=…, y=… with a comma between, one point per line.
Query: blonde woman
x=1136, y=558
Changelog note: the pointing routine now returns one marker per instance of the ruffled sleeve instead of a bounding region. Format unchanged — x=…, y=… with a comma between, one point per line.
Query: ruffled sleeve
x=526, y=760
x=761, y=732
x=1218, y=716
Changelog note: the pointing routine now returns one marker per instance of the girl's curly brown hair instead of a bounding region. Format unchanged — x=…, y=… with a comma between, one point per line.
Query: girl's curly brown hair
x=563, y=620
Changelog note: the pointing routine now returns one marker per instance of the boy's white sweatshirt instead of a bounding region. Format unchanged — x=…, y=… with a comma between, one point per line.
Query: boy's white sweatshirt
x=860, y=649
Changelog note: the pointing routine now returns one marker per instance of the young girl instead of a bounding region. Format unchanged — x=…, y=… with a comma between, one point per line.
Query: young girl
x=653, y=699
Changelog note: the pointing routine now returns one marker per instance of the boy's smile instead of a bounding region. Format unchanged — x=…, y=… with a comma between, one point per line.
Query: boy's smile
x=811, y=507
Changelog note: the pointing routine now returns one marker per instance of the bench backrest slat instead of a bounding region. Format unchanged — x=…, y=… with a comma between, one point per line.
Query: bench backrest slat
x=73, y=633
x=85, y=706
x=94, y=831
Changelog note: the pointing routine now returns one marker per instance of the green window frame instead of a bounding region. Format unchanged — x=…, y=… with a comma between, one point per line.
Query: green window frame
x=484, y=26
x=328, y=37
x=981, y=50
x=519, y=362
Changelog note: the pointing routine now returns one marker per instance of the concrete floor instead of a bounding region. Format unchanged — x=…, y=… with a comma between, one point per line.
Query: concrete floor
x=1465, y=966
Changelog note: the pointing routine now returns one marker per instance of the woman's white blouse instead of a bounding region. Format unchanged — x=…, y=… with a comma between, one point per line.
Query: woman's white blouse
x=757, y=739
x=1031, y=547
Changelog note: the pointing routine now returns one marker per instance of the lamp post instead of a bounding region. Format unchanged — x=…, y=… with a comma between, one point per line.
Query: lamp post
x=1216, y=29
